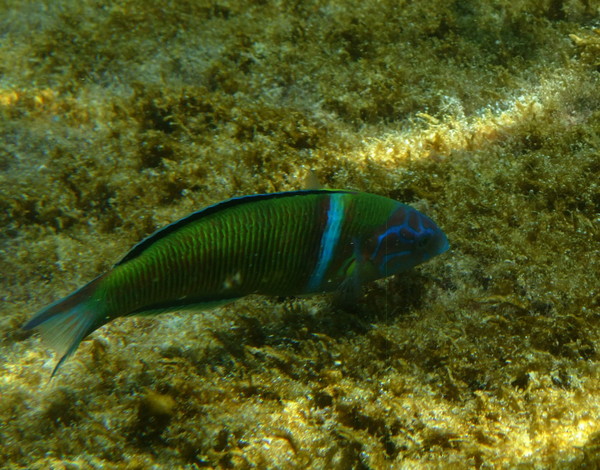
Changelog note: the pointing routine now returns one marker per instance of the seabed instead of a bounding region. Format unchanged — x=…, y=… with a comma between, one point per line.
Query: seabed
x=120, y=117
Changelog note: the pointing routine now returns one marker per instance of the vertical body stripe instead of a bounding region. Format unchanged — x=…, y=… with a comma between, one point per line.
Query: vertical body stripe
x=331, y=235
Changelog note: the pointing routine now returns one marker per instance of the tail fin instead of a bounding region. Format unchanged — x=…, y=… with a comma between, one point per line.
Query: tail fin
x=66, y=322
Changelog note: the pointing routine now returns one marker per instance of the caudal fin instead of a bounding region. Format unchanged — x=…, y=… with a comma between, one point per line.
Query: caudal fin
x=66, y=322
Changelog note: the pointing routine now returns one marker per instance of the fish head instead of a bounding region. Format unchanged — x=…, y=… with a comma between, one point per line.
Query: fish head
x=407, y=238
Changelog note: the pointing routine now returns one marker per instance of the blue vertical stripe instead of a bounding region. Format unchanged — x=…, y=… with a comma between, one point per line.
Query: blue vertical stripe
x=331, y=235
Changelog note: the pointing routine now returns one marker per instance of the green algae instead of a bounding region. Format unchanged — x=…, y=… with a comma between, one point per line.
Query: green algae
x=120, y=118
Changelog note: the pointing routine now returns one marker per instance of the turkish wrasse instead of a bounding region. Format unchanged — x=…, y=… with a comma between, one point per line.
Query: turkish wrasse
x=282, y=244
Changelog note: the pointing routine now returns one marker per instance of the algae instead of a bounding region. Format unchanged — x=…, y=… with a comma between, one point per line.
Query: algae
x=119, y=117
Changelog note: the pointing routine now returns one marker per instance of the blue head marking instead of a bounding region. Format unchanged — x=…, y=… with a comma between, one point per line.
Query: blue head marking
x=408, y=238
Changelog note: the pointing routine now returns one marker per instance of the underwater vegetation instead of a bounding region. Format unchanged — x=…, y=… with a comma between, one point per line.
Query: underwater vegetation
x=118, y=118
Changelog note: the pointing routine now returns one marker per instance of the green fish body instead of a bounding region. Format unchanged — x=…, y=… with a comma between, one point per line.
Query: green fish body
x=288, y=243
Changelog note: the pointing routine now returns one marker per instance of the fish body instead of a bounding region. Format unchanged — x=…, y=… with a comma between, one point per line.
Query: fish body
x=289, y=243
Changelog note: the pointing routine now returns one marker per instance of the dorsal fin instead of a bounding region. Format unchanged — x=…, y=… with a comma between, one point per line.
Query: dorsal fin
x=194, y=216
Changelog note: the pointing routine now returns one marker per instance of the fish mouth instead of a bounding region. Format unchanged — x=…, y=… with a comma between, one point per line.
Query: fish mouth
x=445, y=246
x=440, y=245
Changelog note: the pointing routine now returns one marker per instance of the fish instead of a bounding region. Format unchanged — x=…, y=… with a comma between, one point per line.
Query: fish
x=291, y=243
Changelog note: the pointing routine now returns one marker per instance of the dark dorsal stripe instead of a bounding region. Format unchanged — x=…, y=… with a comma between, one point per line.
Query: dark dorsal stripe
x=138, y=249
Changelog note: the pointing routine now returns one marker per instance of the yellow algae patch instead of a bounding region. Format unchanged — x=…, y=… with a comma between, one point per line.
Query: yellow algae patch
x=36, y=99
x=8, y=97
x=46, y=103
